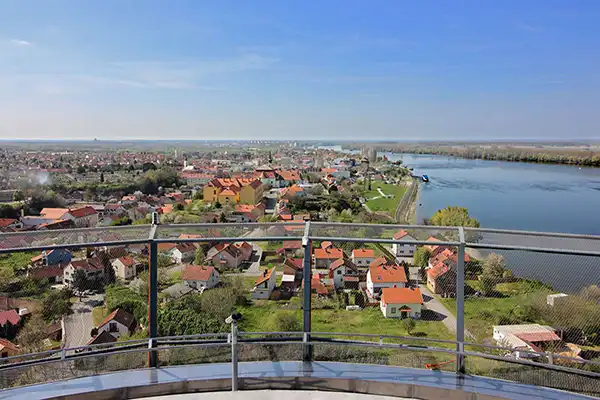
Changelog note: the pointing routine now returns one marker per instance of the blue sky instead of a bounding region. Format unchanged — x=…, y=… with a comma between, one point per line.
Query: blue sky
x=481, y=69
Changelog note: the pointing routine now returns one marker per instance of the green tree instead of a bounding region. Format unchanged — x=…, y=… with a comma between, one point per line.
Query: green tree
x=408, y=324
x=80, y=281
x=421, y=258
x=494, y=265
x=200, y=256
x=178, y=207
x=31, y=336
x=56, y=304
x=487, y=284
x=454, y=216
x=18, y=195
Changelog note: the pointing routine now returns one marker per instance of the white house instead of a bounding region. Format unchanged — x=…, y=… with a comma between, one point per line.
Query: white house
x=183, y=252
x=403, y=250
x=340, y=269
x=118, y=323
x=84, y=217
x=527, y=337
x=401, y=302
x=385, y=276
x=264, y=285
x=93, y=268
x=556, y=299
x=363, y=257
x=196, y=276
x=125, y=267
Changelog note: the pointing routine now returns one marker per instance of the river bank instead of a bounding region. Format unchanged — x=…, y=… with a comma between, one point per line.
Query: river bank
x=406, y=212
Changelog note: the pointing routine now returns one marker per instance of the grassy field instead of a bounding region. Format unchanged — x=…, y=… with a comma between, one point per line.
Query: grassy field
x=382, y=203
x=263, y=316
x=481, y=313
x=98, y=315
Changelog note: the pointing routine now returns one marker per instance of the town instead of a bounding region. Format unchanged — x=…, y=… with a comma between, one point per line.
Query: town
x=99, y=295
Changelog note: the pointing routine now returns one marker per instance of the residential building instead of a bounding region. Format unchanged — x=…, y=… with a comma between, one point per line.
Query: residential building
x=382, y=276
x=102, y=338
x=195, y=179
x=8, y=348
x=125, y=267
x=363, y=257
x=197, y=276
x=526, y=337
x=324, y=256
x=264, y=285
x=225, y=255
x=401, y=302
x=290, y=247
x=339, y=270
x=52, y=257
x=403, y=250
x=55, y=213
x=93, y=268
x=84, y=217
x=556, y=299
x=441, y=279
x=183, y=252
x=118, y=323
x=233, y=191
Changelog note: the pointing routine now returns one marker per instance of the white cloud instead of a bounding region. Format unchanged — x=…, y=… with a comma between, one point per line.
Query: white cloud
x=20, y=43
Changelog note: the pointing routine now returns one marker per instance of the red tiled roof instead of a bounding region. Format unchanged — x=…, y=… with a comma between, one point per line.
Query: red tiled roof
x=83, y=212
x=265, y=277
x=53, y=213
x=186, y=247
x=336, y=264
x=363, y=253
x=197, y=273
x=400, y=234
x=401, y=296
x=127, y=261
x=292, y=244
x=437, y=270
x=9, y=316
x=328, y=253
x=295, y=263
x=120, y=316
x=5, y=222
x=387, y=274
x=89, y=264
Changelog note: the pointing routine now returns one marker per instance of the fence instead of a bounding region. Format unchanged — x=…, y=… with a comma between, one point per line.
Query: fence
x=311, y=278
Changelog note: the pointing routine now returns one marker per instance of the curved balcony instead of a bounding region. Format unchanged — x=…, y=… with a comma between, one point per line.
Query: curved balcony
x=427, y=366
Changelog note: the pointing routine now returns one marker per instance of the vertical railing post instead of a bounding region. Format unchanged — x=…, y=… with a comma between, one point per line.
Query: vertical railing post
x=307, y=293
x=460, y=303
x=234, y=357
x=153, y=297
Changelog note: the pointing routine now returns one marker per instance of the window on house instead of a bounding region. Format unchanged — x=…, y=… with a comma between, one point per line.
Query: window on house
x=393, y=310
x=112, y=327
x=339, y=272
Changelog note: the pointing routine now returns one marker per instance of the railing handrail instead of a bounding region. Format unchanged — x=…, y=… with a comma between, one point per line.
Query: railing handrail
x=316, y=341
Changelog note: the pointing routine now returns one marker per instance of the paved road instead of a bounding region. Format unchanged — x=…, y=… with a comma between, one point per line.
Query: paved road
x=442, y=313
x=79, y=324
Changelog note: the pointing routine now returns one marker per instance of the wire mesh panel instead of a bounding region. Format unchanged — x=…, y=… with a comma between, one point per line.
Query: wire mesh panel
x=531, y=375
x=533, y=304
x=73, y=237
x=231, y=230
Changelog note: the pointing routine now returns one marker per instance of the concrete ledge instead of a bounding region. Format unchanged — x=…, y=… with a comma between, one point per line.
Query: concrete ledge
x=321, y=376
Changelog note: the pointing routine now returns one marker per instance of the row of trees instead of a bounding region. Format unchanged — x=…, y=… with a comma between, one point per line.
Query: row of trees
x=546, y=154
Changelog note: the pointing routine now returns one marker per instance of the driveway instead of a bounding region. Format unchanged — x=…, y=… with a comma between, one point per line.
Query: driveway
x=254, y=269
x=79, y=324
x=438, y=312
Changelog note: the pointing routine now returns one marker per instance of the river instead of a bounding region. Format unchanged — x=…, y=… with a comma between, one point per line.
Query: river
x=522, y=196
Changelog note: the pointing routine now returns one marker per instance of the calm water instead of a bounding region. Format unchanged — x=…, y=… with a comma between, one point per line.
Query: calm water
x=554, y=198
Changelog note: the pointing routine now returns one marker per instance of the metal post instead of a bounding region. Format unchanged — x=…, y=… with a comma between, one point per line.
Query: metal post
x=307, y=293
x=153, y=303
x=234, y=357
x=460, y=303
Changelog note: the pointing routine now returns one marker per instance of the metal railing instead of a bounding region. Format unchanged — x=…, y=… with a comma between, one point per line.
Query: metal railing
x=458, y=238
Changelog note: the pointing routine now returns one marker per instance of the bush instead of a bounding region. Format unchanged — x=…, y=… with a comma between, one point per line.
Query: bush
x=288, y=322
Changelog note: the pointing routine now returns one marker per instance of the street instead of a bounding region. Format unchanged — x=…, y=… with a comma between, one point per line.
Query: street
x=440, y=311
x=79, y=324
x=254, y=269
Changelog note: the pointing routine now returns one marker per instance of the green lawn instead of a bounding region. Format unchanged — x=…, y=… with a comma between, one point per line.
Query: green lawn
x=382, y=203
x=481, y=313
x=98, y=315
x=262, y=316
